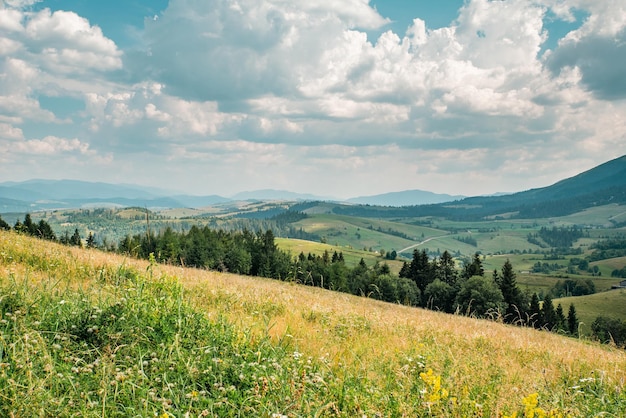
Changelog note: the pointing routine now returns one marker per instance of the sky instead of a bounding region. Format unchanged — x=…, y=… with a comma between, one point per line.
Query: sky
x=338, y=98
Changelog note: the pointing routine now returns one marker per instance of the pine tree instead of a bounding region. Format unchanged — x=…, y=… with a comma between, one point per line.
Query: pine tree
x=29, y=227
x=75, y=239
x=446, y=269
x=91, y=241
x=560, y=324
x=572, y=321
x=405, y=271
x=534, y=312
x=420, y=270
x=44, y=230
x=4, y=225
x=475, y=268
x=513, y=297
x=548, y=313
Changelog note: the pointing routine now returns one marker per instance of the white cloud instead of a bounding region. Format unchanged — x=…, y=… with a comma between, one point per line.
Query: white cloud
x=68, y=43
x=250, y=90
x=9, y=132
x=50, y=145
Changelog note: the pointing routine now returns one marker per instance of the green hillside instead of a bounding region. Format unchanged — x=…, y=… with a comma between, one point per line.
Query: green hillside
x=352, y=256
x=86, y=333
x=610, y=304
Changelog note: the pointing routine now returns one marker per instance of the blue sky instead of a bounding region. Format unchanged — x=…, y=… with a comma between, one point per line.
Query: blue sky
x=334, y=97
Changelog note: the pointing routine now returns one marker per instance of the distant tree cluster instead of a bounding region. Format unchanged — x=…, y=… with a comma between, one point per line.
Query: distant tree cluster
x=467, y=240
x=546, y=268
x=470, y=292
x=610, y=248
x=43, y=230
x=573, y=287
x=621, y=273
x=256, y=254
x=610, y=331
x=561, y=237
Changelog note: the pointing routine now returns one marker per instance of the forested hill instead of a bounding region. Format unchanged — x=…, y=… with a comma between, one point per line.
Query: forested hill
x=601, y=185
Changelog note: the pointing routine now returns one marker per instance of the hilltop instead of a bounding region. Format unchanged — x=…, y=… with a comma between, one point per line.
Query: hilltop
x=92, y=333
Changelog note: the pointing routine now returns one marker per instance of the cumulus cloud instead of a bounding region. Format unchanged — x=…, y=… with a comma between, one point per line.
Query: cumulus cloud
x=50, y=145
x=214, y=50
x=596, y=49
x=300, y=86
x=601, y=61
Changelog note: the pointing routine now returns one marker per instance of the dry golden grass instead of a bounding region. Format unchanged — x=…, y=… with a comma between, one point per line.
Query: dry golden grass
x=489, y=362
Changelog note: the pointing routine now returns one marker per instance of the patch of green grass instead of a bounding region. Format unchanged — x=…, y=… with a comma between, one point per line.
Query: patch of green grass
x=141, y=350
x=366, y=233
x=351, y=256
x=610, y=304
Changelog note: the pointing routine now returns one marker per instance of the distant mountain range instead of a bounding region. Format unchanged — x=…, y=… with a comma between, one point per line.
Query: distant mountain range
x=35, y=195
x=404, y=198
x=601, y=185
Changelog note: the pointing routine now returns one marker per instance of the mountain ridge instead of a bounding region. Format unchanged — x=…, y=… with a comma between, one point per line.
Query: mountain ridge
x=605, y=183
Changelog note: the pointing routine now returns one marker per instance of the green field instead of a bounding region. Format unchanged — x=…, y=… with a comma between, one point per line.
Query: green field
x=611, y=304
x=352, y=256
x=93, y=334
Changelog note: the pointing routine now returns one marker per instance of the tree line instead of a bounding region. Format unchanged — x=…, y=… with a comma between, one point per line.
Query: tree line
x=472, y=292
x=43, y=230
x=429, y=283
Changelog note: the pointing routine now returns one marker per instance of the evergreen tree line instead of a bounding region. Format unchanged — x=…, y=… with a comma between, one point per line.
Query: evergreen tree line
x=433, y=284
x=471, y=292
x=43, y=230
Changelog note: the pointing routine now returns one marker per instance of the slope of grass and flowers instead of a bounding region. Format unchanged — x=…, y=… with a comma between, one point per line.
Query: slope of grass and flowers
x=88, y=333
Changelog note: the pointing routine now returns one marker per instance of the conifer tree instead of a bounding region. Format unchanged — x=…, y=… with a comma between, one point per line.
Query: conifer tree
x=4, y=225
x=572, y=321
x=534, y=312
x=446, y=269
x=405, y=271
x=547, y=312
x=513, y=297
x=75, y=239
x=560, y=318
x=28, y=226
x=475, y=268
x=44, y=230
x=91, y=241
x=420, y=270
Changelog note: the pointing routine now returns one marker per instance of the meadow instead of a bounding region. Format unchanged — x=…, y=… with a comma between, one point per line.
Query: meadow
x=88, y=333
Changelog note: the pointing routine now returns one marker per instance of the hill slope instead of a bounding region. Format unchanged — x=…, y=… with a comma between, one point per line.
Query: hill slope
x=602, y=185
x=89, y=333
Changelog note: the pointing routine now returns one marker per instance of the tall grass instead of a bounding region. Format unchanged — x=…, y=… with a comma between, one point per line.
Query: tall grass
x=84, y=333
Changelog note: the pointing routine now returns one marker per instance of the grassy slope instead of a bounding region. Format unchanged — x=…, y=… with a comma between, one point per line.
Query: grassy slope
x=609, y=304
x=364, y=233
x=337, y=355
x=352, y=256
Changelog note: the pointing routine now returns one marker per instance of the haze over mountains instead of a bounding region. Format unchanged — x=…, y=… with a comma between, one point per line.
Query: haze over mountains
x=600, y=185
x=36, y=195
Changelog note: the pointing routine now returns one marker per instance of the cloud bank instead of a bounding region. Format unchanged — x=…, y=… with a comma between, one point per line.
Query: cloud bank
x=224, y=96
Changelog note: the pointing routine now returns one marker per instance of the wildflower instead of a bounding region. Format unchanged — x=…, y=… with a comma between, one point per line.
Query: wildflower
x=530, y=406
x=192, y=395
x=434, y=389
